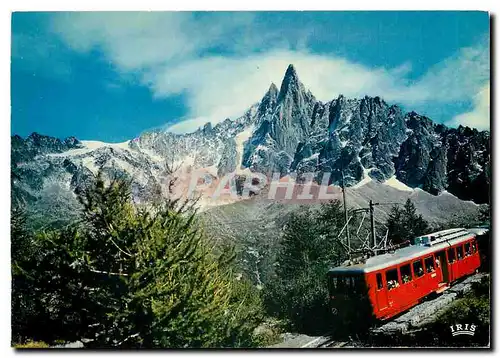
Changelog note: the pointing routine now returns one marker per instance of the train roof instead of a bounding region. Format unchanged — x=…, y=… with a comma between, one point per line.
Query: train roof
x=479, y=230
x=407, y=253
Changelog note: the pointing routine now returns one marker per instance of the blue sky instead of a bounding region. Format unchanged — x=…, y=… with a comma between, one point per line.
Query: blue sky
x=111, y=76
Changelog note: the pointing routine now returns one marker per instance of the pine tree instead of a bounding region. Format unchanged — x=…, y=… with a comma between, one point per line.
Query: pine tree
x=129, y=277
x=20, y=249
x=485, y=213
x=20, y=238
x=298, y=292
x=405, y=223
x=40, y=285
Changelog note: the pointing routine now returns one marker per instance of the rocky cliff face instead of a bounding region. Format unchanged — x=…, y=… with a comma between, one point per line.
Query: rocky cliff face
x=365, y=137
x=288, y=131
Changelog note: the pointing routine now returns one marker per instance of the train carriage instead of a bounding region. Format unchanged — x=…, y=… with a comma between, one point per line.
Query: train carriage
x=390, y=283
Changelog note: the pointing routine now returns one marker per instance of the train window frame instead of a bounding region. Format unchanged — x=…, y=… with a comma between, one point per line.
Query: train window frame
x=352, y=283
x=431, y=260
x=396, y=283
x=460, y=249
x=450, y=259
x=333, y=282
x=405, y=266
x=468, y=249
x=339, y=284
x=380, y=282
x=415, y=271
x=349, y=284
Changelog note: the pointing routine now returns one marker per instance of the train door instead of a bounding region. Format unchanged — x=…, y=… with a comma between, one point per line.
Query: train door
x=381, y=292
x=393, y=285
x=442, y=267
x=430, y=270
x=475, y=254
x=452, y=263
x=461, y=262
x=407, y=289
x=469, y=259
x=419, y=278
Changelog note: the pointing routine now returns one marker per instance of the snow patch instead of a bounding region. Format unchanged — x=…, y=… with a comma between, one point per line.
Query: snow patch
x=312, y=157
x=187, y=161
x=240, y=140
x=95, y=144
x=153, y=156
x=212, y=170
x=89, y=163
x=90, y=146
x=130, y=169
x=366, y=178
x=393, y=182
x=445, y=192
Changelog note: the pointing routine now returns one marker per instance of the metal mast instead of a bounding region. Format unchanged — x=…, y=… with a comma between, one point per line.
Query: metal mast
x=372, y=222
x=348, y=239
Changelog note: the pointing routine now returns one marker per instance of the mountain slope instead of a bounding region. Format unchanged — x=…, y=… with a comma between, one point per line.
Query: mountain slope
x=254, y=226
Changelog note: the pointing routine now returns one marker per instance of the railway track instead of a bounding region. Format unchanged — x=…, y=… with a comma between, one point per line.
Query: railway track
x=333, y=344
x=425, y=312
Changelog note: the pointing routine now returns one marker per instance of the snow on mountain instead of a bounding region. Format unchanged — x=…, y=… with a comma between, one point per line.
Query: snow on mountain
x=240, y=140
x=366, y=179
x=393, y=182
x=288, y=131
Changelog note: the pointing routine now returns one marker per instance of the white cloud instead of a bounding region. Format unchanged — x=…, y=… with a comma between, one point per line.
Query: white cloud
x=479, y=117
x=189, y=125
x=173, y=54
x=219, y=87
x=141, y=40
x=458, y=77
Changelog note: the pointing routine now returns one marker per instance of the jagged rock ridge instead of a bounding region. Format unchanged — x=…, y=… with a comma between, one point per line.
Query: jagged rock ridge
x=287, y=131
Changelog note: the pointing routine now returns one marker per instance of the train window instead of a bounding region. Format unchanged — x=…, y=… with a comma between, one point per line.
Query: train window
x=391, y=276
x=418, y=268
x=380, y=284
x=356, y=284
x=468, y=249
x=460, y=252
x=340, y=286
x=333, y=283
x=451, y=255
x=405, y=273
x=350, y=284
x=439, y=255
x=429, y=264
x=474, y=248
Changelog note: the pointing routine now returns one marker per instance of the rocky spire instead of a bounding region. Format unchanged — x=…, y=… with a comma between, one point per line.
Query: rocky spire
x=290, y=124
x=269, y=100
x=273, y=90
x=290, y=83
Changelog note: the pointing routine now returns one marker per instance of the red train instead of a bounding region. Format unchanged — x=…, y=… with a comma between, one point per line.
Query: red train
x=389, y=284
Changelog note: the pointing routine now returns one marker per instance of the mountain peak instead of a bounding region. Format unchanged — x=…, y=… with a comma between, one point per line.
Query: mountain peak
x=207, y=128
x=290, y=82
x=273, y=90
x=291, y=70
x=269, y=99
x=290, y=75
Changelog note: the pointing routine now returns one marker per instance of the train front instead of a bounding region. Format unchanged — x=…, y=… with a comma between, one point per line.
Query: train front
x=350, y=306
